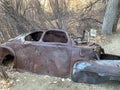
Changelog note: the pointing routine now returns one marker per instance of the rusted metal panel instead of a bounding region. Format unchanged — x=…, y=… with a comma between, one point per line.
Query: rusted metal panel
x=104, y=70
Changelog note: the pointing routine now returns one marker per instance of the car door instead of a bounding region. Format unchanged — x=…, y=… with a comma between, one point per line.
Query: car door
x=27, y=51
x=48, y=56
x=56, y=53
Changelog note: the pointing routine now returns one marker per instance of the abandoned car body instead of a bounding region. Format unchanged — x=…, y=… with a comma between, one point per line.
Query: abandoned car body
x=53, y=52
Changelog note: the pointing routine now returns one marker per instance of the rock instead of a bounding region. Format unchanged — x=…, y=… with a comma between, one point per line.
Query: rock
x=63, y=79
x=68, y=79
x=55, y=82
x=17, y=80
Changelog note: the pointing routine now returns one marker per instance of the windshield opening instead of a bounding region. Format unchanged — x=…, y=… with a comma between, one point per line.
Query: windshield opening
x=34, y=36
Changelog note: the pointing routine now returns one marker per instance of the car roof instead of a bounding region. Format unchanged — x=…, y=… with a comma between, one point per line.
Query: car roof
x=45, y=30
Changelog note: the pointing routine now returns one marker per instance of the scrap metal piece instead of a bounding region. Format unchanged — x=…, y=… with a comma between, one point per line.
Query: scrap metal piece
x=94, y=72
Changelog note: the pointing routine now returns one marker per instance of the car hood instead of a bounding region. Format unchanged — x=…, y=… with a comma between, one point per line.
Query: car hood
x=21, y=36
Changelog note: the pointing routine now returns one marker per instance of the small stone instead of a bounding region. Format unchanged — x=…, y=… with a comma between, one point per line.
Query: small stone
x=46, y=76
x=11, y=82
x=63, y=79
x=68, y=79
x=24, y=77
x=55, y=82
x=17, y=80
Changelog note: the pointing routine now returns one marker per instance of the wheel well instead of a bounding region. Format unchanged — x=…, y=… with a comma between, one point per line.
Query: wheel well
x=7, y=60
x=7, y=56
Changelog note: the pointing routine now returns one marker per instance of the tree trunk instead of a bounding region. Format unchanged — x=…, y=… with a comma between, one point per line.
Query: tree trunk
x=110, y=18
x=117, y=18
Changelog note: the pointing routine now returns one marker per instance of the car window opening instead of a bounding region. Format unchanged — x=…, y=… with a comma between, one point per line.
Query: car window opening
x=34, y=36
x=55, y=36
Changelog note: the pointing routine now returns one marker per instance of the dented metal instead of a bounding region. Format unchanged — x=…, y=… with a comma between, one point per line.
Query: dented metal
x=54, y=53
x=104, y=70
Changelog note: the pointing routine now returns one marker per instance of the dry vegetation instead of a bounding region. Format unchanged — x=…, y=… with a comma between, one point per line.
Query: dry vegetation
x=19, y=16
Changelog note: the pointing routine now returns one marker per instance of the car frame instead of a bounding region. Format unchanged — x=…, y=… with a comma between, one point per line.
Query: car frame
x=54, y=53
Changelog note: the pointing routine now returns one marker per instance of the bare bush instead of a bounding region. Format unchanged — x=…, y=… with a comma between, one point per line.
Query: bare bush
x=19, y=16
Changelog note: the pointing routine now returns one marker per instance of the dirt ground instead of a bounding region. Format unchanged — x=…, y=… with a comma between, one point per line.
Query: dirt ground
x=30, y=81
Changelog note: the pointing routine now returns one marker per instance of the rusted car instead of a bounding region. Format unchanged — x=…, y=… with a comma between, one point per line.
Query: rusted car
x=53, y=52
